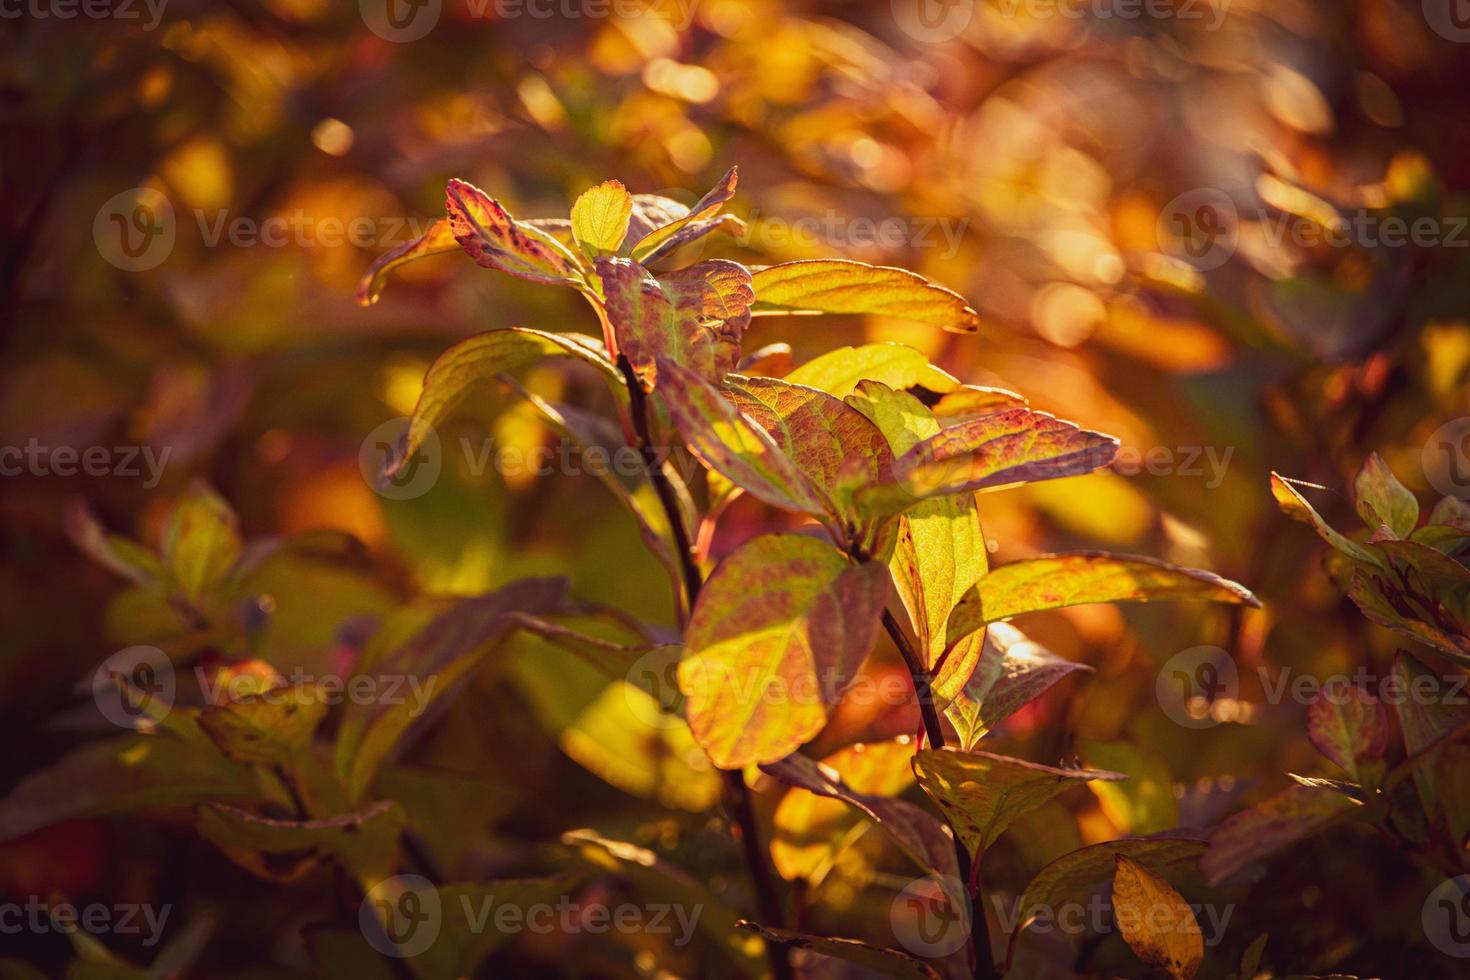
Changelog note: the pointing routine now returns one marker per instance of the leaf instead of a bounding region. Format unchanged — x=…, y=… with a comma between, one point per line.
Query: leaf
x=1295, y=506
x=1382, y=601
x=834, y=446
x=114, y=552
x=1155, y=921
x=776, y=637
x=841, y=371
x=1269, y=826
x=846, y=286
x=669, y=236
x=439, y=238
x=365, y=841
x=1012, y=672
x=873, y=959
x=1429, y=714
x=431, y=662
x=1383, y=500
x=981, y=793
x=600, y=218
x=694, y=317
x=1012, y=446
x=922, y=838
x=731, y=444
x=269, y=728
x=1348, y=725
x=810, y=830
x=1070, y=877
x=495, y=240
x=456, y=371
x=201, y=541
x=1082, y=577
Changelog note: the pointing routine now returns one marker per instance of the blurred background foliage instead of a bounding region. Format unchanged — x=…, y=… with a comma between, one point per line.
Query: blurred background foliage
x=1029, y=163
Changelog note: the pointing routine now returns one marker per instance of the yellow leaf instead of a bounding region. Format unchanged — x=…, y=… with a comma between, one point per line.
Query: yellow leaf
x=1156, y=922
x=600, y=218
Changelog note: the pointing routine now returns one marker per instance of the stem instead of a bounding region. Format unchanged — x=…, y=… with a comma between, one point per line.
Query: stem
x=737, y=799
x=981, y=955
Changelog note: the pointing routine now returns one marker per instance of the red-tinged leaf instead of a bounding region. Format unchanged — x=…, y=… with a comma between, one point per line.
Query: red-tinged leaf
x=439, y=238
x=1382, y=500
x=846, y=286
x=981, y=793
x=871, y=960
x=776, y=637
x=694, y=317
x=1295, y=506
x=1348, y=725
x=1082, y=577
x=1012, y=672
x=1007, y=447
x=1155, y=920
x=1072, y=876
x=839, y=372
x=1382, y=600
x=495, y=240
x=433, y=660
x=600, y=218
x=480, y=358
x=834, y=446
x=921, y=837
x=686, y=227
x=731, y=444
x=1269, y=826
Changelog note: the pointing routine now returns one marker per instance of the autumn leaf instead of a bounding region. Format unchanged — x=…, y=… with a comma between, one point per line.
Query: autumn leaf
x=271, y=727
x=846, y=286
x=201, y=541
x=1347, y=725
x=600, y=218
x=495, y=240
x=1382, y=500
x=1155, y=921
x=1082, y=577
x=1072, y=876
x=1270, y=826
x=685, y=228
x=1295, y=506
x=839, y=372
x=694, y=317
x=1430, y=713
x=439, y=238
x=1012, y=671
x=776, y=637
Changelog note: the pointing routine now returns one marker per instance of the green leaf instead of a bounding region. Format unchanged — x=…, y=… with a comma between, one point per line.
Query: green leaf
x=1082, y=577
x=922, y=838
x=1072, y=876
x=846, y=286
x=776, y=637
x=1295, y=506
x=495, y=240
x=694, y=317
x=686, y=227
x=872, y=960
x=600, y=218
x=480, y=358
x=839, y=372
x=1347, y=725
x=1007, y=447
x=731, y=444
x=427, y=666
x=201, y=541
x=1270, y=826
x=1012, y=672
x=268, y=728
x=365, y=841
x=1155, y=920
x=439, y=238
x=981, y=793
x=1383, y=500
